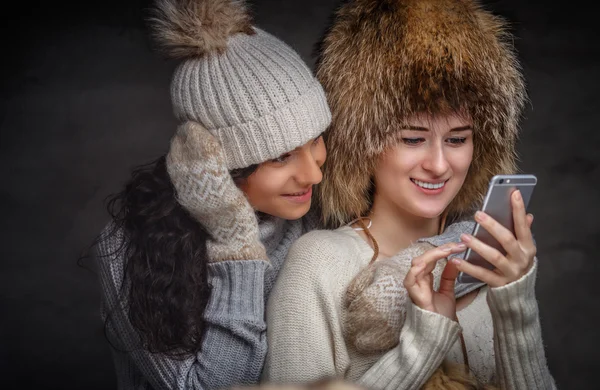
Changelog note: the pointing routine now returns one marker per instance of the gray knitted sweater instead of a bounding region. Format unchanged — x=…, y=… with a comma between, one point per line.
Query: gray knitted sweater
x=234, y=344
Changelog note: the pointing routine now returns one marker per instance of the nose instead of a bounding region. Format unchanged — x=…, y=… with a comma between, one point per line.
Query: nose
x=309, y=170
x=436, y=161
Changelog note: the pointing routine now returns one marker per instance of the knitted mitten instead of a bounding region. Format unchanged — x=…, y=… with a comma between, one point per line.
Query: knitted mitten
x=375, y=302
x=198, y=171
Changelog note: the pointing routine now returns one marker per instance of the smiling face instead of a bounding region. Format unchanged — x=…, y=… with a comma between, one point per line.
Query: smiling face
x=422, y=174
x=283, y=187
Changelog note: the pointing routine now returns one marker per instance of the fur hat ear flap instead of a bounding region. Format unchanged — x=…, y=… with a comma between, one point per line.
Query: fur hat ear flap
x=383, y=61
x=344, y=194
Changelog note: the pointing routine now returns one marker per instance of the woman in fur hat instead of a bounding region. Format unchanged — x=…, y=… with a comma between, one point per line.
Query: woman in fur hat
x=426, y=97
x=198, y=237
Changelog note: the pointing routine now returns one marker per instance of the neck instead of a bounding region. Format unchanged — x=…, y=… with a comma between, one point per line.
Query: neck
x=395, y=229
x=271, y=230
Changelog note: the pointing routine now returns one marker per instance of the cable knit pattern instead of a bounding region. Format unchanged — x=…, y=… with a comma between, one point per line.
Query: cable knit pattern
x=306, y=319
x=234, y=344
x=197, y=168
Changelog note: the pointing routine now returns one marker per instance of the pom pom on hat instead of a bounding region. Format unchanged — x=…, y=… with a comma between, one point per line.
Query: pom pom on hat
x=249, y=89
x=195, y=28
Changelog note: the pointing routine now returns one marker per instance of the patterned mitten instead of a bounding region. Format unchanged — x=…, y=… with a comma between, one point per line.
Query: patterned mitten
x=198, y=170
x=376, y=301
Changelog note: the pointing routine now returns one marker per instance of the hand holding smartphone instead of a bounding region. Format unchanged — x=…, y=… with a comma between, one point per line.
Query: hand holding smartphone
x=497, y=204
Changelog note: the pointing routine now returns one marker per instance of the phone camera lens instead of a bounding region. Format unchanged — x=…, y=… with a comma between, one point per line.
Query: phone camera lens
x=501, y=181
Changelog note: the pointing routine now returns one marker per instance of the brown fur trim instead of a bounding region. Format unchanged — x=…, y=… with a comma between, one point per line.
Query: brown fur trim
x=385, y=60
x=451, y=376
x=192, y=28
x=321, y=384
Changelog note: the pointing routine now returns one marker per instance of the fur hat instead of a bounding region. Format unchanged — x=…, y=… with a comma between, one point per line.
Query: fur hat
x=385, y=60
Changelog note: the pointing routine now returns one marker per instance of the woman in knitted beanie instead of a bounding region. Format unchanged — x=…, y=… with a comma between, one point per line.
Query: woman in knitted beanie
x=198, y=237
x=426, y=98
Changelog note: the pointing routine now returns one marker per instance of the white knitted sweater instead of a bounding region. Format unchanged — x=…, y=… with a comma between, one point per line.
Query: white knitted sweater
x=305, y=321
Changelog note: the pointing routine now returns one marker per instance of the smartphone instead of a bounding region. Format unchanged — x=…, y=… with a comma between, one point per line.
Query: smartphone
x=497, y=204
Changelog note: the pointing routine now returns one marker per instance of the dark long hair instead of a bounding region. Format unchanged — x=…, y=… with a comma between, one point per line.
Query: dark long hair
x=165, y=278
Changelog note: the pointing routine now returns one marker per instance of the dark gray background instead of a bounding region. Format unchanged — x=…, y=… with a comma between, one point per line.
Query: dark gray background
x=84, y=99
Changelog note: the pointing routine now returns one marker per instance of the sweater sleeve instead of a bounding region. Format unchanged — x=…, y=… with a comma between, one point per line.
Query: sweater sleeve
x=304, y=328
x=425, y=339
x=519, y=349
x=234, y=342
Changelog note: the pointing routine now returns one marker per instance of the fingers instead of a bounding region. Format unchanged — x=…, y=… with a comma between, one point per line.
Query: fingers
x=491, y=278
x=519, y=255
x=199, y=136
x=410, y=280
x=448, y=279
x=194, y=143
x=522, y=227
x=529, y=220
x=504, y=236
x=519, y=247
x=423, y=265
x=438, y=253
x=492, y=255
x=419, y=279
x=522, y=223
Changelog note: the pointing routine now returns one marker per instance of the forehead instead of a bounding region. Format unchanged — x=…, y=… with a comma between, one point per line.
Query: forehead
x=437, y=122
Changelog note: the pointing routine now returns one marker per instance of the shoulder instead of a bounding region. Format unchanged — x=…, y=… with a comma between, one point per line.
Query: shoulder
x=339, y=236
x=321, y=244
x=317, y=271
x=109, y=254
x=325, y=255
x=110, y=242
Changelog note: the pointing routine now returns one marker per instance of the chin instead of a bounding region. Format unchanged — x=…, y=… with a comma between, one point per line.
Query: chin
x=291, y=214
x=431, y=215
x=429, y=212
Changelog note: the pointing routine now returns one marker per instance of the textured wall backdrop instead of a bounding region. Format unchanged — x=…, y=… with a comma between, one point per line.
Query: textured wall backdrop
x=84, y=99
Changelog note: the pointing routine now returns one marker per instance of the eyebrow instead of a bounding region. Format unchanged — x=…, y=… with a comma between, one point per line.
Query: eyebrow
x=420, y=128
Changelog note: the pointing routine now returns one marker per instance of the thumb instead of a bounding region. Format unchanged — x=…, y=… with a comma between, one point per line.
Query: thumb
x=448, y=279
x=193, y=143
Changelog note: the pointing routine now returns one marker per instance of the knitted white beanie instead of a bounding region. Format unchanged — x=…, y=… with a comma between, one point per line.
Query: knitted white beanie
x=249, y=89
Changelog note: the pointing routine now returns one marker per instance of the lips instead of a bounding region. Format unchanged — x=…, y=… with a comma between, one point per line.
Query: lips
x=299, y=197
x=429, y=185
x=298, y=193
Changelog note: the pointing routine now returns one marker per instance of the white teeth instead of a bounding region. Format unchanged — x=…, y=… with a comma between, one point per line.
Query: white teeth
x=430, y=186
